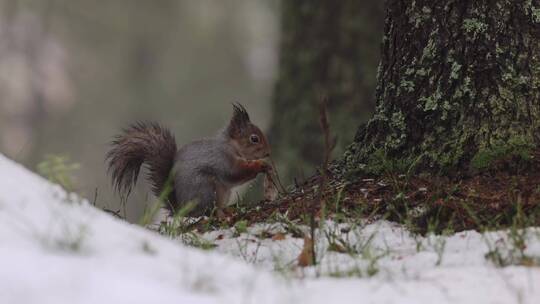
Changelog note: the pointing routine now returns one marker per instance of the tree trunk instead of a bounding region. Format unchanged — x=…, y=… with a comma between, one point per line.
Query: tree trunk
x=327, y=48
x=459, y=81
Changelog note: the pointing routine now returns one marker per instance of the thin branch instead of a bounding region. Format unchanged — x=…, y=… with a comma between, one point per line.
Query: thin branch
x=329, y=145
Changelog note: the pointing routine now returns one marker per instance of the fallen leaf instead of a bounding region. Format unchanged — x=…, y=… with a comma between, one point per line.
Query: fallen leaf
x=306, y=256
x=278, y=237
x=337, y=248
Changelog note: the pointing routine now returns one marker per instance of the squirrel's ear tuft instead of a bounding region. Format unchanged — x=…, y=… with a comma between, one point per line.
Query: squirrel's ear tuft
x=240, y=114
x=239, y=120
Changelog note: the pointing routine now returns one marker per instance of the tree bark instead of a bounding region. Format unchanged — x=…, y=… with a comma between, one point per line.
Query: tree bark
x=328, y=48
x=458, y=80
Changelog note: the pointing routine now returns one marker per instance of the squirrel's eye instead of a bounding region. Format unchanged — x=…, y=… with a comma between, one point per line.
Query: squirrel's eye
x=254, y=138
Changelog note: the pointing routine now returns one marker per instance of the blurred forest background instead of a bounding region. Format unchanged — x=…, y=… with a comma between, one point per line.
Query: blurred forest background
x=73, y=73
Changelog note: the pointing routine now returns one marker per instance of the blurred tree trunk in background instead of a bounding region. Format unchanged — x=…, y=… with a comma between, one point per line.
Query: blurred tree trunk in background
x=459, y=82
x=327, y=48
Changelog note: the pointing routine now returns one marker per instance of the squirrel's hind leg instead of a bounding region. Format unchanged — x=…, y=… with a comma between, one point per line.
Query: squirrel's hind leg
x=223, y=194
x=197, y=189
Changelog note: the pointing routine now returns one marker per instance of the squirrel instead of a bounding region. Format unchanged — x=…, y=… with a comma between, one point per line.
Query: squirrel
x=203, y=171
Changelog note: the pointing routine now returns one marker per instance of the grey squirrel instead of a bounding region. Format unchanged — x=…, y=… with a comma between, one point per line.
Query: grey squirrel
x=203, y=171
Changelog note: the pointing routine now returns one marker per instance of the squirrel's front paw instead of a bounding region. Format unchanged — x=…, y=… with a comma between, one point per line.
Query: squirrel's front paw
x=266, y=167
x=257, y=166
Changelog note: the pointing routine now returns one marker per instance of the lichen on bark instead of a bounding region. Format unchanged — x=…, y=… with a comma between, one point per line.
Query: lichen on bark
x=456, y=79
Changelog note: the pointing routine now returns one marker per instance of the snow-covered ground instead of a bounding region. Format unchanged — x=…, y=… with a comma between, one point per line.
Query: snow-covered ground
x=55, y=248
x=383, y=263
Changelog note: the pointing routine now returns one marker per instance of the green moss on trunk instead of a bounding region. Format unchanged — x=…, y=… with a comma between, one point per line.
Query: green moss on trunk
x=457, y=80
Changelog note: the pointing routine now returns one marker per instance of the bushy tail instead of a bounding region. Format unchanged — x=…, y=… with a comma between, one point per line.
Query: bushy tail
x=143, y=143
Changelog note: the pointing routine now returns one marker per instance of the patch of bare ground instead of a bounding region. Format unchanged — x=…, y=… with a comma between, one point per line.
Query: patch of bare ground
x=506, y=194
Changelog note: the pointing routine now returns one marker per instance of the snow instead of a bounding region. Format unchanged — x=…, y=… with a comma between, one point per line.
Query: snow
x=57, y=248
x=53, y=250
x=408, y=267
